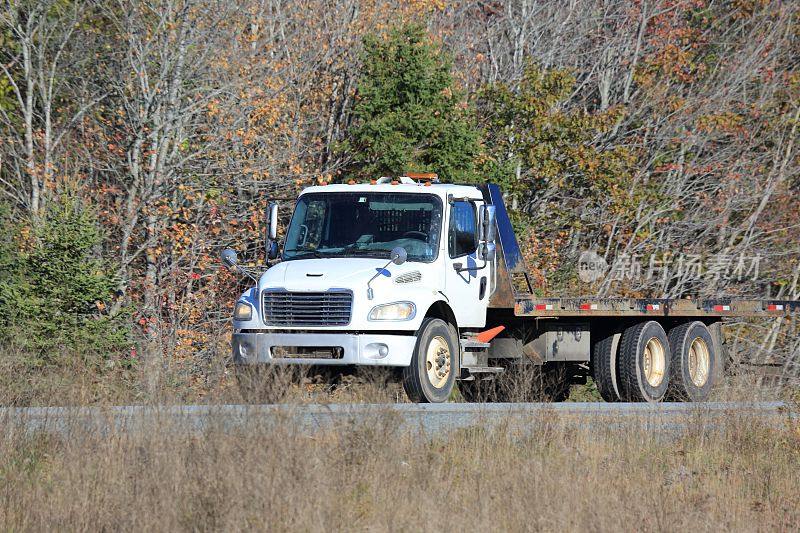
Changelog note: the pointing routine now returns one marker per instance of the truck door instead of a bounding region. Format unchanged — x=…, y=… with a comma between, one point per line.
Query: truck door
x=463, y=288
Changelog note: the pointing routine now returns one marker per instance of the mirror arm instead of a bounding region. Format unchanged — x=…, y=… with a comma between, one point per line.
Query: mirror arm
x=460, y=268
x=370, y=294
x=398, y=256
x=242, y=270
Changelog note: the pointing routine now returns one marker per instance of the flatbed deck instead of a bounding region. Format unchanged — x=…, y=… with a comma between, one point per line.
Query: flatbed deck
x=655, y=307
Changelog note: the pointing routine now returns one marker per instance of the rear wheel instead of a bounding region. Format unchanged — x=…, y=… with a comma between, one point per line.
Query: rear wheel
x=604, y=366
x=694, y=362
x=644, y=363
x=434, y=364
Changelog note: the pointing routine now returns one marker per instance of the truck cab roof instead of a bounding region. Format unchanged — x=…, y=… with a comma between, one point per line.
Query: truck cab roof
x=440, y=189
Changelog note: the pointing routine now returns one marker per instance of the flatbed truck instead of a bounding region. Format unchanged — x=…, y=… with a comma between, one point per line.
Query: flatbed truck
x=428, y=279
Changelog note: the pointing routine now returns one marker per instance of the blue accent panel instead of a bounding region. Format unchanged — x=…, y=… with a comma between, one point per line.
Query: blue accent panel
x=505, y=232
x=472, y=264
x=250, y=296
x=383, y=272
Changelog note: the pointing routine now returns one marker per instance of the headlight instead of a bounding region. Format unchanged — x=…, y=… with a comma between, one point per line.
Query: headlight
x=242, y=311
x=393, y=311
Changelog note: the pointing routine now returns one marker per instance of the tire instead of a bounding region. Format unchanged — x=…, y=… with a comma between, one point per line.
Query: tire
x=694, y=362
x=605, y=367
x=644, y=359
x=434, y=364
x=725, y=364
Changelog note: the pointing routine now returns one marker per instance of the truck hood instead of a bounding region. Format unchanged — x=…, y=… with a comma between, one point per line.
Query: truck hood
x=326, y=273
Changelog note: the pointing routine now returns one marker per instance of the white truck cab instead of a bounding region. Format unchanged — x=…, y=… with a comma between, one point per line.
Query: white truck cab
x=386, y=273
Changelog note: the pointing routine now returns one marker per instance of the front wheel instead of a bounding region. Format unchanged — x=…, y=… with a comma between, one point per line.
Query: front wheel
x=434, y=364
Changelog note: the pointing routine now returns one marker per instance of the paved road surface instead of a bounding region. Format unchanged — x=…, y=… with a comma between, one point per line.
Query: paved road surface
x=426, y=419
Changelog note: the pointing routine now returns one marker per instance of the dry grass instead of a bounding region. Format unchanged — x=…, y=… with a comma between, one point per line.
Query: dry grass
x=374, y=476
x=73, y=381
x=550, y=474
x=22, y=385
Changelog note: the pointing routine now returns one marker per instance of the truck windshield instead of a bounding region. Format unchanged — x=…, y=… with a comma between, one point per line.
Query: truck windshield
x=364, y=224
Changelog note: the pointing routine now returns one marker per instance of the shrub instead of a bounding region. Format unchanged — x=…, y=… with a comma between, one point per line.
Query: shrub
x=56, y=294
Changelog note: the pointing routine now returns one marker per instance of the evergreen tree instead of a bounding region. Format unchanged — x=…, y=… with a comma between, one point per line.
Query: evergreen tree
x=55, y=292
x=408, y=116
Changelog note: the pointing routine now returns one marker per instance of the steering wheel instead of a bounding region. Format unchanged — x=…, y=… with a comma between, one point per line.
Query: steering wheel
x=419, y=235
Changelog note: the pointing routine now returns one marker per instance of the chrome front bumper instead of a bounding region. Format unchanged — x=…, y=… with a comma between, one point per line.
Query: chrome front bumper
x=357, y=349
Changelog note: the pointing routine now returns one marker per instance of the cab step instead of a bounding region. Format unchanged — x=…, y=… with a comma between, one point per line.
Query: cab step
x=472, y=345
x=484, y=369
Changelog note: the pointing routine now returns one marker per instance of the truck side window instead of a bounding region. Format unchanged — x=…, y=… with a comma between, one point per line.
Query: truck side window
x=462, y=234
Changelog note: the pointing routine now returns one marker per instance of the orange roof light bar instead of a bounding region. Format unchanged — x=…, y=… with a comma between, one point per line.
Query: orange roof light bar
x=423, y=176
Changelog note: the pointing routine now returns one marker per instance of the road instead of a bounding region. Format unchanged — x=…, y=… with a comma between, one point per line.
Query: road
x=427, y=419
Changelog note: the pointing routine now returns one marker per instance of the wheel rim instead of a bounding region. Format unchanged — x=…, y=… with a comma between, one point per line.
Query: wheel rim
x=699, y=362
x=654, y=361
x=437, y=362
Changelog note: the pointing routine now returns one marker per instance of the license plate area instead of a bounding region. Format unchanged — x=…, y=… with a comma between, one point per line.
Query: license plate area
x=307, y=352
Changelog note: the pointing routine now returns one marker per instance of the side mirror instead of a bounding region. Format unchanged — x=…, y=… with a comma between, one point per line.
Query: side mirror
x=231, y=262
x=229, y=258
x=398, y=255
x=272, y=221
x=488, y=225
x=272, y=249
x=488, y=251
x=272, y=230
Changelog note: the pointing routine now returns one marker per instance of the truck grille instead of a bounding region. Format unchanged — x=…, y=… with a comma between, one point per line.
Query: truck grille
x=329, y=308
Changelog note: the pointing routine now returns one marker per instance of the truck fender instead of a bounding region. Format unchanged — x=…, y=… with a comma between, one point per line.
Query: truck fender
x=441, y=309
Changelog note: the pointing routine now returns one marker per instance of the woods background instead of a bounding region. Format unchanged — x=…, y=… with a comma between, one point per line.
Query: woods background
x=137, y=139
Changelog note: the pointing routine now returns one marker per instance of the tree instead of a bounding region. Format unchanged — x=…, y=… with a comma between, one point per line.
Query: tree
x=549, y=159
x=38, y=64
x=55, y=292
x=408, y=115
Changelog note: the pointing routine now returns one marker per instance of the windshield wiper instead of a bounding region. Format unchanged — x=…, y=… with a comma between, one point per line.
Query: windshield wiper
x=301, y=252
x=359, y=251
